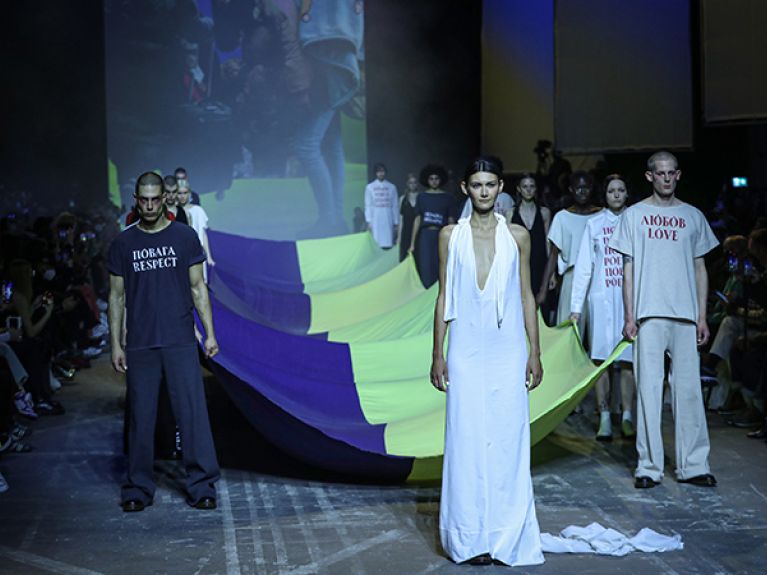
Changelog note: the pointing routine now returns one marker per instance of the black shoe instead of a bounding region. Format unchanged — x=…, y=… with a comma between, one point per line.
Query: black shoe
x=49, y=407
x=483, y=559
x=645, y=482
x=205, y=503
x=134, y=505
x=748, y=418
x=758, y=434
x=706, y=480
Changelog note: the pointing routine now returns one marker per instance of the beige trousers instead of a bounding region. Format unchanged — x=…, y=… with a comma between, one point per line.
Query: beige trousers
x=656, y=337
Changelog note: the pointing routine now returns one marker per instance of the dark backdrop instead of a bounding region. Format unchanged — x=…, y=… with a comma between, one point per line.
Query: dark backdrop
x=423, y=83
x=54, y=125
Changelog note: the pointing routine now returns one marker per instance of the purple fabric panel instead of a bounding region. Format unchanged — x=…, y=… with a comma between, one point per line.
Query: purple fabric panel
x=309, y=378
x=287, y=311
x=268, y=263
x=308, y=443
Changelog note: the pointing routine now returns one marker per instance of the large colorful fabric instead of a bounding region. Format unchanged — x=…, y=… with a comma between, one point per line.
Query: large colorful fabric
x=326, y=347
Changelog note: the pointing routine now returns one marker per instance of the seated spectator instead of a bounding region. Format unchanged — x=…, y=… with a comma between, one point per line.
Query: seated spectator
x=748, y=358
x=729, y=325
x=35, y=312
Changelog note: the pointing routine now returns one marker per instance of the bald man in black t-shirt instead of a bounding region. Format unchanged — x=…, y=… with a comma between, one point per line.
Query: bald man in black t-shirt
x=156, y=276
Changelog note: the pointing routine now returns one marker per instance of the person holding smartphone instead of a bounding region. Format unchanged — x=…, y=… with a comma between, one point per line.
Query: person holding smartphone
x=35, y=312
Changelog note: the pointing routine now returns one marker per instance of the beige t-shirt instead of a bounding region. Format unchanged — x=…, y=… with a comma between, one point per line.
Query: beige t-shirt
x=566, y=233
x=664, y=242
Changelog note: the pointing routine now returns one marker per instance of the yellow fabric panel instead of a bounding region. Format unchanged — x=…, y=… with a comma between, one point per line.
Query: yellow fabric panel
x=384, y=294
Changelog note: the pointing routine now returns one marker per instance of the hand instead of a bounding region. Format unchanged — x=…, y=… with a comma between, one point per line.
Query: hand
x=703, y=332
x=211, y=346
x=575, y=317
x=533, y=372
x=439, y=377
x=540, y=297
x=211, y=263
x=553, y=282
x=630, y=330
x=118, y=360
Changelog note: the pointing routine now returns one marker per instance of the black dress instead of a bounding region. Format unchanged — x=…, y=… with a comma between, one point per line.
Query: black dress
x=407, y=214
x=435, y=209
x=538, y=241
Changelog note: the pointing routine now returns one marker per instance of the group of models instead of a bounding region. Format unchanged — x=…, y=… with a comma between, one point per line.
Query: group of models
x=487, y=300
x=651, y=254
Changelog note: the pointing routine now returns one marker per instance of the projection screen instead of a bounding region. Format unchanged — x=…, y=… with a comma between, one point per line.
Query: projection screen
x=623, y=75
x=734, y=49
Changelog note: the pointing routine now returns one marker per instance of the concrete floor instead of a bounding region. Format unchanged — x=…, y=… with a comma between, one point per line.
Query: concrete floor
x=275, y=516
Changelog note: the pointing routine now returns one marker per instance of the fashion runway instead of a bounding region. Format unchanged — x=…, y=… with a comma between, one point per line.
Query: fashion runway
x=276, y=516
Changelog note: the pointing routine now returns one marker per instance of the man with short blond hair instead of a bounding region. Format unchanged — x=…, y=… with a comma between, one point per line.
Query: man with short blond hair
x=665, y=284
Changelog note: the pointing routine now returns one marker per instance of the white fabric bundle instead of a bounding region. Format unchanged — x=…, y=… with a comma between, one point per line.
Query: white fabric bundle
x=604, y=541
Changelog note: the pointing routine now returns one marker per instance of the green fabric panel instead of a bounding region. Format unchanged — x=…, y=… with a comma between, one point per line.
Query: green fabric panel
x=382, y=262
x=425, y=470
x=328, y=258
x=413, y=318
x=386, y=293
x=113, y=185
x=392, y=380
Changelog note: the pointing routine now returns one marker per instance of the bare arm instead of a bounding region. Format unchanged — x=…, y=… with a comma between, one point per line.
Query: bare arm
x=416, y=225
x=24, y=309
x=439, y=377
x=548, y=271
x=206, y=245
x=701, y=288
x=202, y=305
x=629, y=321
x=399, y=227
x=546, y=217
x=534, y=370
x=116, y=312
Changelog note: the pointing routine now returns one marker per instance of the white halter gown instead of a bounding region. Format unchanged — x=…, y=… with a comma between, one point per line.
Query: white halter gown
x=487, y=494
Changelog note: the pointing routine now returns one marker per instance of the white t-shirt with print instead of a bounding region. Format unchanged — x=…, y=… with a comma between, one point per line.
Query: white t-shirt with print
x=664, y=242
x=382, y=211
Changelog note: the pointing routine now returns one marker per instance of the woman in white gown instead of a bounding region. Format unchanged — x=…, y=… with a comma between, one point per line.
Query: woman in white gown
x=487, y=510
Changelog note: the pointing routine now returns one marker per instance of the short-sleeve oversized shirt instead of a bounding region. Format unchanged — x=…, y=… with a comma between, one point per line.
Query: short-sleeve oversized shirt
x=664, y=242
x=566, y=233
x=158, y=295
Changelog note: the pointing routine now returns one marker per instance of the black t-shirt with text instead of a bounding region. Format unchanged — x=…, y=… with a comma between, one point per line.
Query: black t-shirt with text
x=155, y=272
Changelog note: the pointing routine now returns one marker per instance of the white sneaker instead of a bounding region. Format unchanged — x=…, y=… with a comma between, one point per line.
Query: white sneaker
x=54, y=383
x=605, y=432
x=3, y=484
x=24, y=405
x=91, y=352
x=99, y=331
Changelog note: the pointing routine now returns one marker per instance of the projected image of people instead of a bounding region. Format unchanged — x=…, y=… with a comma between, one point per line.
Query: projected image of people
x=247, y=90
